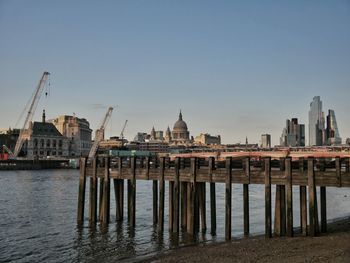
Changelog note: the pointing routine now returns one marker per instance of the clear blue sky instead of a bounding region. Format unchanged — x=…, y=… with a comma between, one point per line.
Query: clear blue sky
x=235, y=68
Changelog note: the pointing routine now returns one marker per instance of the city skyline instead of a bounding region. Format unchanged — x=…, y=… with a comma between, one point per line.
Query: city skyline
x=235, y=69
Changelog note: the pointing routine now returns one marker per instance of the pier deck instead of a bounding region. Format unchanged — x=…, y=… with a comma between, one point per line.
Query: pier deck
x=187, y=175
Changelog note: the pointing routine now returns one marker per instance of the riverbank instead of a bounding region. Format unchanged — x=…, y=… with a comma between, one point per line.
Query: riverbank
x=333, y=246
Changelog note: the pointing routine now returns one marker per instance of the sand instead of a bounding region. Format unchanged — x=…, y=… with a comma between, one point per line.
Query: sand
x=334, y=246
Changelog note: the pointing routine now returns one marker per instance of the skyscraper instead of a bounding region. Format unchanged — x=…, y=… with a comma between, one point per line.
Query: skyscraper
x=316, y=122
x=332, y=132
x=293, y=134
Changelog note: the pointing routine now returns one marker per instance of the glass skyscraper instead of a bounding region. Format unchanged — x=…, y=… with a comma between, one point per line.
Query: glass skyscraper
x=316, y=122
x=332, y=132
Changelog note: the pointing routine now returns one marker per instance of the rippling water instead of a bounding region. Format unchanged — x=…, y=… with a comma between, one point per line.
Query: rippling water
x=38, y=220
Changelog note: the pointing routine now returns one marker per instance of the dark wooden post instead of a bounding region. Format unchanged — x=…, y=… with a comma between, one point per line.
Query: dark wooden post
x=246, y=198
x=171, y=205
x=161, y=195
x=202, y=206
x=191, y=196
x=303, y=201
x=312, y=196
x=323, y=198
x=100, y=210
x=132, y=193
x=106, y=193
x=183, y=201
x=228, y=198
x=338, y=171
x=93, y=193
x=280, y=206
x=81, y=196
x=268, y=228
x=212, y=196
x=155, y=200
x=289, y=195
x=277, y=226
x=119, y=192
x=176, y=196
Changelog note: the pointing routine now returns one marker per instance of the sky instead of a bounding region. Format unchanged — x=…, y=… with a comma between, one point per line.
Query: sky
x=234, y=68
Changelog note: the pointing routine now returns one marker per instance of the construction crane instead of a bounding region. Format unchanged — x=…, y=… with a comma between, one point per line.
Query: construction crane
x=122, y=132
x=100, y=133
x=37, y=94
x=7, y=150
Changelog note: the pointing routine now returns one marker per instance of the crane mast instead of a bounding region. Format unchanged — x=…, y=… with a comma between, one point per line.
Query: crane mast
x=100, y=133
x=31, y=112
x=122, y=132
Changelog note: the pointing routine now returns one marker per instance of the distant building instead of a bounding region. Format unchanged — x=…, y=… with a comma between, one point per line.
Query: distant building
x=206, y=139
x=141, y=137
x=347, y=141
x=44, y=140
x=293, y=134
x=316, y=122
x=332, y=133
x=150, y=146
x=265, y=141
x=78, y=131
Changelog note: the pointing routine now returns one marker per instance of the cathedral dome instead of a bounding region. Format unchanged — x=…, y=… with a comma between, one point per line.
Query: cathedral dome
x=180, y=133
x=180, y=124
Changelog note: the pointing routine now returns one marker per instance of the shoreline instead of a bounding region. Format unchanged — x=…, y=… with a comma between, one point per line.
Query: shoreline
x=333, y=246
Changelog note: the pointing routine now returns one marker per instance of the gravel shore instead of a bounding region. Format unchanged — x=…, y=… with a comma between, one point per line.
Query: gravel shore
x=333, y=246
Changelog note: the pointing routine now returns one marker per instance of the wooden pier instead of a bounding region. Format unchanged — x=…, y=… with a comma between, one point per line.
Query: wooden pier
x=188, y=174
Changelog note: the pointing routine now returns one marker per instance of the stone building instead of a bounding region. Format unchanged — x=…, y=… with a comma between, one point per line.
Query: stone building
x=180, y=133
x=207, y=139
x=78, y=131
x=44, y=140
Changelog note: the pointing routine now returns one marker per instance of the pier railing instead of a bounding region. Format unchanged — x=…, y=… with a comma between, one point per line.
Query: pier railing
x=187, y=176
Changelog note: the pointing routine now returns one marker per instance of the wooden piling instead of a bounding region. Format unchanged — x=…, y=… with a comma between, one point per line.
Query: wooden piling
x=268, y=228
x=119, y=192
x=106, y=193
x=312, y=196
x=338, y=171
x=323, y=209
x=171, y=205
x=289, y=196
x=132, y=193
x=191, y=198
x=212, y=197
x=183, y=204
x=100, y=204
x=161, y=195
x=228, y=198
x=93, y=193
x=155, y=201
x=81, y=196
x=303, y=201
x=277, y=225
x=176, y=196
x=246, y=199
x=202, y=207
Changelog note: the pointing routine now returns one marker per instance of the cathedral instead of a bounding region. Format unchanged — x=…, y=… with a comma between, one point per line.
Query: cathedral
x=179, y=134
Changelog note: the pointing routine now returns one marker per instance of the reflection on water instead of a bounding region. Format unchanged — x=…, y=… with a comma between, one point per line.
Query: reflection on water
x=38, y=220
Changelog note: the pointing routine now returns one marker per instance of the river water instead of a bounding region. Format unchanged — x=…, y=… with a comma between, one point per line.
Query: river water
x=38, y=220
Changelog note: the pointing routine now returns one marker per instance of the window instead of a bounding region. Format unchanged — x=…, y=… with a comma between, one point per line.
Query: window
x=42, y=143
x=54, y=143
x=60, y=143
x=48, y=153
x=35, y=143
x=48, y=143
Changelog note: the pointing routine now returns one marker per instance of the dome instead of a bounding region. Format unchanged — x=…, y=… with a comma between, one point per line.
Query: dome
x=180, y=124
